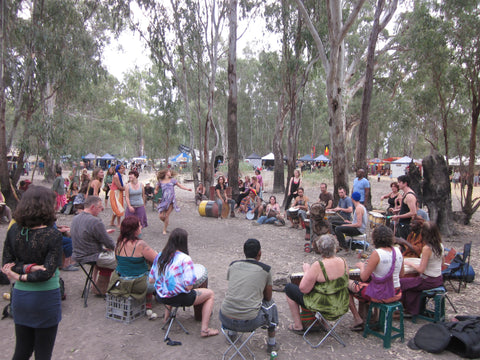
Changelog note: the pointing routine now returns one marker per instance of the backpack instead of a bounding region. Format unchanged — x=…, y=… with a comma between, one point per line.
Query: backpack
x=461, y=337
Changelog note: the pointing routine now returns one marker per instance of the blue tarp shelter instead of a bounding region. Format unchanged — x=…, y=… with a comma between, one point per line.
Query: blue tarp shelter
x=307, y=157
x=90, y=156
x=182, y=157
x=107, y=156
x=322, y=158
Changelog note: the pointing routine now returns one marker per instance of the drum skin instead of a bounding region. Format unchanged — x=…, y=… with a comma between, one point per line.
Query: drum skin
x=208, y=208
x=202, y=282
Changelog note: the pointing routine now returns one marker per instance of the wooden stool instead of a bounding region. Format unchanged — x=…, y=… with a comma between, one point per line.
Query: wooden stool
x=385, y=322
x=438, y=312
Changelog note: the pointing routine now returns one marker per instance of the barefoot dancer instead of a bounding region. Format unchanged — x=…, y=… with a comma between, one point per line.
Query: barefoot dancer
x=168, y=202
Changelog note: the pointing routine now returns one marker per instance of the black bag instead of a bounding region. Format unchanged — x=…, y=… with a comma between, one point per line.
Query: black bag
x=460, y=337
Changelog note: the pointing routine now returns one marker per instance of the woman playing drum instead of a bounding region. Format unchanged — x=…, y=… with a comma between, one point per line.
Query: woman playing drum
x=430, y=269
x=323, y=287
x=174, y=277
x=385, y=266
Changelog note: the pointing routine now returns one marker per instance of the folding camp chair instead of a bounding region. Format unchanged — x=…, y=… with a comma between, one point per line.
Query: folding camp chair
x=236, y=343
x=171, y=319
x=328, y=327
x=88, y=281
x=458, y=270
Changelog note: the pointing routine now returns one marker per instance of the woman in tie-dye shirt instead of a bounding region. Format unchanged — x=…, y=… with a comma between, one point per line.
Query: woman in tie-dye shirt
x=173, y=275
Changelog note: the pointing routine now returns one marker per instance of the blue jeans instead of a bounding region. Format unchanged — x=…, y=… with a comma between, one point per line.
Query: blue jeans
x=341, y=231
x=266, y=220
x=267, y=316
x=220, y=205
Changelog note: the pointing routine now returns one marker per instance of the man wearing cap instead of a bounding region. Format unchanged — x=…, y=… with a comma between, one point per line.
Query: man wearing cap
x=356, y=227
x=248, y=303
x=252, y=203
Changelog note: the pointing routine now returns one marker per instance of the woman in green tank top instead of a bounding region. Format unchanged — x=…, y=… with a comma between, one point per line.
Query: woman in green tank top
x=323, y=287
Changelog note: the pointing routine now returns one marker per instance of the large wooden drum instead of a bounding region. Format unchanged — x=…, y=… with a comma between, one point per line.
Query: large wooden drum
x=208, y=208
x=202, y=282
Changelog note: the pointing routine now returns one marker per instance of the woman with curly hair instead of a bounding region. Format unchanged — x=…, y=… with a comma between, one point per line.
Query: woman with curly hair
x=167, y=182
x=384, y=266
x=429, y=270
x=31, y=255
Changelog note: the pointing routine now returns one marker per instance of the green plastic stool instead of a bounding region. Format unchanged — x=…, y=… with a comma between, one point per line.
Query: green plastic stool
x=385, y=323
x=438, y=313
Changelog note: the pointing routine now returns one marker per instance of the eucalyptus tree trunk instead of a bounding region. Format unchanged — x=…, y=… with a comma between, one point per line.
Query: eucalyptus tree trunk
x=232, y=100
x=279, y=174
x=361, y=157
x=334, y=65
x=437, y=193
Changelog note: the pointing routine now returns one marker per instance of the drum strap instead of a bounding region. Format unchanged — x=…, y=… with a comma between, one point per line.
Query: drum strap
x=262, y=265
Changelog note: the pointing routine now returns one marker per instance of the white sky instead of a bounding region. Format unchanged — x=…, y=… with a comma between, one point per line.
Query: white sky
x=129, y=50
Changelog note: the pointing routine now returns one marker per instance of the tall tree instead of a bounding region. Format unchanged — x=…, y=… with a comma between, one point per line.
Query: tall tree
x=465, y=39
x=334, y=65
x=232, y=99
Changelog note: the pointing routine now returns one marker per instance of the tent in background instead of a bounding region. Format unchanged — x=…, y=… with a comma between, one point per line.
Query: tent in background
x=182, y=157
x=90, y=156
x=307, y=157
x=322, y=158
x=107, y=156
x=254, y=159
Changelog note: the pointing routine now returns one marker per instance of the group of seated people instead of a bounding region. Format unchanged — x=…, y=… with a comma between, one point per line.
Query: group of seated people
x=131, y=267
x=325, y=286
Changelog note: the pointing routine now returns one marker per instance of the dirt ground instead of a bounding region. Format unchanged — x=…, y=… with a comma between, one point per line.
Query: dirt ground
x=86, y=333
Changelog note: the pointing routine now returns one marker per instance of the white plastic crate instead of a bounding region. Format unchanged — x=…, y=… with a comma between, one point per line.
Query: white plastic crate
x=124, y=309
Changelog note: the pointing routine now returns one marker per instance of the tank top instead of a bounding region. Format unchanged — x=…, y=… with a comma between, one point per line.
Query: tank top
x=363, y=226
x=136, y=196
x=404, y=209
x=330, y=297
x=385, y=263
x=434, y=265
x=295, y=186
x=130, y=266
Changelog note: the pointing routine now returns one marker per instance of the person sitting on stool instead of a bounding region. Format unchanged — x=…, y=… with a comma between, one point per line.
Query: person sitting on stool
x=248, y=303
x=355, y=228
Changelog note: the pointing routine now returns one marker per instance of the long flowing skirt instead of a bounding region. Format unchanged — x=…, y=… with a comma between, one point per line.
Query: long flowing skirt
x=116, y=201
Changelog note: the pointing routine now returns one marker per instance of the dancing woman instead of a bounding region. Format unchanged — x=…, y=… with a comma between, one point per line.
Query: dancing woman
x=167, y=182
x=116, y=198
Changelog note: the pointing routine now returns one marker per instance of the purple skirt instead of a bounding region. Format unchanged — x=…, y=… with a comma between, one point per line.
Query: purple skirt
x=140, y=213
x=412, y=289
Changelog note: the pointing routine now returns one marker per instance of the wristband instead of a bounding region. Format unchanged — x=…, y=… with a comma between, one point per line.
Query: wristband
x=29, y=268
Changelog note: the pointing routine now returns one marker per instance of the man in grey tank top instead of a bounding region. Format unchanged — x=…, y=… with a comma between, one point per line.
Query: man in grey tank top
x=355, y=227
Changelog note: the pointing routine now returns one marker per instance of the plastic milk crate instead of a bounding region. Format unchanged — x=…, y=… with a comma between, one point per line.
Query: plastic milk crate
x=124, y=309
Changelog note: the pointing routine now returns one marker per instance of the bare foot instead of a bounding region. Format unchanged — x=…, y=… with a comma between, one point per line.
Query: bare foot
x=209, y=332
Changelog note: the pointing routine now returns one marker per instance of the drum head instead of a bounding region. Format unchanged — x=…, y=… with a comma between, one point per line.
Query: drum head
x=292, y=209
x=250, y=215
x=200, y=273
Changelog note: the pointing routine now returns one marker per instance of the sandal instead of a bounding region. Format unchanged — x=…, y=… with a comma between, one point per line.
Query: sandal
x=358, y=327
x=209, y=332
x=295, y=331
